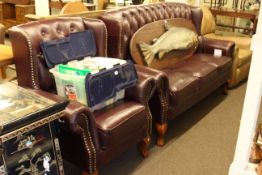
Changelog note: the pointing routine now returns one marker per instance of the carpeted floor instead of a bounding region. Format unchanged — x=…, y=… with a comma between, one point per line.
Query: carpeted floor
x=199, y=142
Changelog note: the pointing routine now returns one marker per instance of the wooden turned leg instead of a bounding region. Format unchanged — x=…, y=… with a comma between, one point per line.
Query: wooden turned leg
x=161, y=131
x=225, y=88
x=94, y=173
x=143, y=146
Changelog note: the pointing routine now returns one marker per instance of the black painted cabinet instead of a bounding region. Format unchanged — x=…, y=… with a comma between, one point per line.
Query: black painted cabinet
x=28, y=142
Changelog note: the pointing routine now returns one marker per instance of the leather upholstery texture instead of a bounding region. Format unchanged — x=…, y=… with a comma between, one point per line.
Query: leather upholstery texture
x=88, y=139
x=129, y=19
x=188, y=81
x=243, y=54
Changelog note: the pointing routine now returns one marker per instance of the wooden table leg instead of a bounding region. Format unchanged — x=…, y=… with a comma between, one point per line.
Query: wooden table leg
x=2, y=73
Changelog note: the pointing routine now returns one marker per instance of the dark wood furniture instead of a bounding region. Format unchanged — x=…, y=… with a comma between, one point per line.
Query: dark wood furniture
x=246, y=14
x=28, y=139
x=12, y=14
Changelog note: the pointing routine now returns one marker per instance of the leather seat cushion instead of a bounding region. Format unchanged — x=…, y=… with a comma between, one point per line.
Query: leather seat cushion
x=182, y=86
x=223, y=64
x=202, y=70
x=119, y=121
x=244, y=57
x=241, y=41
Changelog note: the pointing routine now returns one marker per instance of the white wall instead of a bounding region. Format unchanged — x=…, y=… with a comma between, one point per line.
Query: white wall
x=42, y=7
x=251, y=107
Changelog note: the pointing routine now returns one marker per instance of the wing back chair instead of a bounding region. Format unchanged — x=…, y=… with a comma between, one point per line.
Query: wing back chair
x=88, y=139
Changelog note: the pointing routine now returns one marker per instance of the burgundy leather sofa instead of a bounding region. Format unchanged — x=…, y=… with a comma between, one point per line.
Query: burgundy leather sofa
x=188, y=82
x=88, y=139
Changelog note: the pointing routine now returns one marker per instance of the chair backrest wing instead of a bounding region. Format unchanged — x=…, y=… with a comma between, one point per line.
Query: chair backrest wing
x=26, y=39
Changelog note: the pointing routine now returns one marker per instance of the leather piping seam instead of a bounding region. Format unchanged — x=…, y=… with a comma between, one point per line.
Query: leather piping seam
x=120, y=41
x=149, y=115
x=88, y=142
x=109, y=17
x=164, y=104
x=106, y=39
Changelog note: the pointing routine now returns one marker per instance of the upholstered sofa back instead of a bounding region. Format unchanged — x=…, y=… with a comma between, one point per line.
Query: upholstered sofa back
x=30, y=65
x=123, y=23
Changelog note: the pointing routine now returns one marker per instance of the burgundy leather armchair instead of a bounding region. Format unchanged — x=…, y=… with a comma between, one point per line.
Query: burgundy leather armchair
x=183, y=85
x=88, y=139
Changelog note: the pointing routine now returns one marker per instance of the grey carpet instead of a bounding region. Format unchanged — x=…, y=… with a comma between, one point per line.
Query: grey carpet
x=199, y=142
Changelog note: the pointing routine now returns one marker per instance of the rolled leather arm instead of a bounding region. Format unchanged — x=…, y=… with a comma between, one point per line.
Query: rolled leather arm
x=207, y=45
x=162, y=92
x=143, y=90
x=2, y=34
x=78, y=118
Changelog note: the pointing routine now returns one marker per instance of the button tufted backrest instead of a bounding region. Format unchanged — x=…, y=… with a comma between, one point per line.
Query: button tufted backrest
x=123, y=23
x=26, y=38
